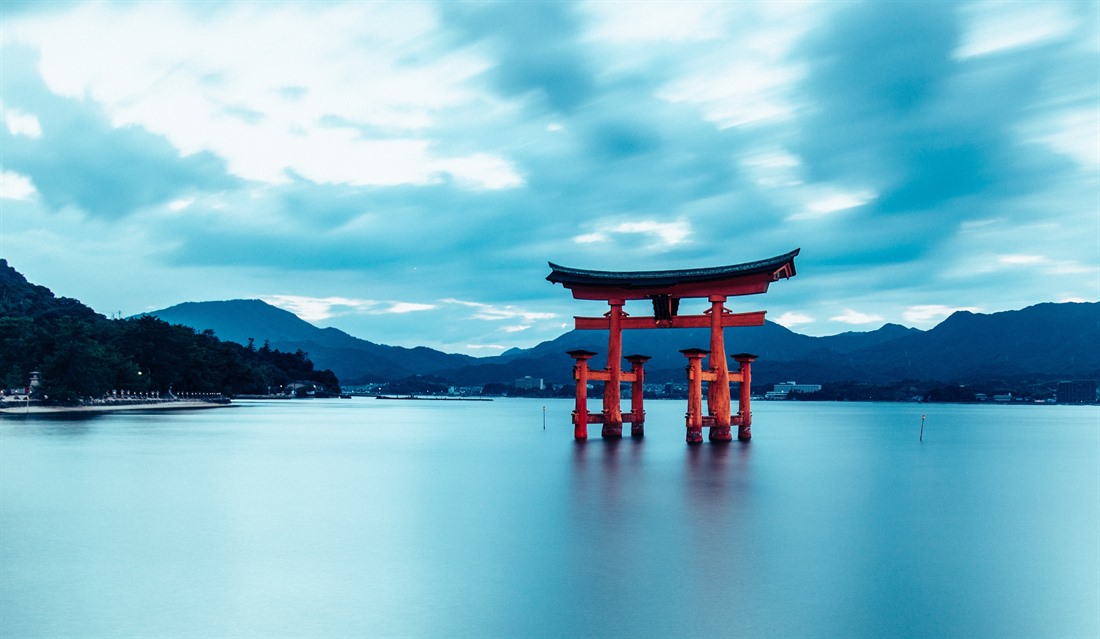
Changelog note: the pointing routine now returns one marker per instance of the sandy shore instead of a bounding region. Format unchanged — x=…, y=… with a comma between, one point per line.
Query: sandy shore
x=17, y=409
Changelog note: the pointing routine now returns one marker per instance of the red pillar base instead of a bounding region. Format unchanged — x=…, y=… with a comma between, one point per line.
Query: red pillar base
x=637, y=429
x=612, y=431
x=695, y=436
x=744, y=432
x=721, y=434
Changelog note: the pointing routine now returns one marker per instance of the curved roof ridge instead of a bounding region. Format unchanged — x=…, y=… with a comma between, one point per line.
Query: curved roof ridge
x=568, y=275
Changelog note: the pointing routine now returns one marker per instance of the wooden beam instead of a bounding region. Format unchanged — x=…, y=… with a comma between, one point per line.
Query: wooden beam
x=754, y=318
x=605, y=376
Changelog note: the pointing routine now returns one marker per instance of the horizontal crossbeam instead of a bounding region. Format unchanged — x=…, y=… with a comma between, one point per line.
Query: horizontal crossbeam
x=627, y=418
x=605, y=376
x=754, y=318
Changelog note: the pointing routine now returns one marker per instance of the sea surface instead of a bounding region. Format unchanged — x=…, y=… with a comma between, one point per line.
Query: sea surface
x=372, y=518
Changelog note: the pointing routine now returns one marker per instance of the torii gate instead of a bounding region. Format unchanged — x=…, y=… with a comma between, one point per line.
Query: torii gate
x=665, y=289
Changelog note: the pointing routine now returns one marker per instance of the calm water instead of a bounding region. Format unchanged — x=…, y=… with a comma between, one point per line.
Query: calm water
x=348, y=518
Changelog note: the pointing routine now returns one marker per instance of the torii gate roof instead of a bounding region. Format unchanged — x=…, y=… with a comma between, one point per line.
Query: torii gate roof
x=734, y=279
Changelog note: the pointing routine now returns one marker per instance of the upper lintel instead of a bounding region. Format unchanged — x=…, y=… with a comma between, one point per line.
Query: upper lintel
x=735, y=279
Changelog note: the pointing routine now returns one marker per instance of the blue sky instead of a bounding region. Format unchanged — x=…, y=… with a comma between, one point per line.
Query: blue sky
x=403, y=171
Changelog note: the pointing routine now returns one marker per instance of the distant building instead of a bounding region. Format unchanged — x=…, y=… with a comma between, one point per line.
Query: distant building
x=1077, y=392
x=1003, y=397
x=784, y=390
x=529, y=383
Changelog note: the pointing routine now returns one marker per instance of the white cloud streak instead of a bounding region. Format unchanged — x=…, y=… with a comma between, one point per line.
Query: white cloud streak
x=662, y=234
x=791, y=319
x=220, y=85
x=20, y=123
x=925, y=314
x=14, y=186
x=850, y=316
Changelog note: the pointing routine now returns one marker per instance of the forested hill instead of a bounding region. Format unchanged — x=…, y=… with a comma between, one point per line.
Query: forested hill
x=82, y=354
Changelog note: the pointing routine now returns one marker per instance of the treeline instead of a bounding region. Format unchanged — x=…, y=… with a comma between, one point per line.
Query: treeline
x=81, y=354
x=932, y=391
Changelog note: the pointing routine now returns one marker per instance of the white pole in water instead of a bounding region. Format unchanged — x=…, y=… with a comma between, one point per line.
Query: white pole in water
x=922, y=428
x=544, y=418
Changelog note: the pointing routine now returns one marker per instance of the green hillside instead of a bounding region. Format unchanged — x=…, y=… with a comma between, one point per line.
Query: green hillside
x=81, y=354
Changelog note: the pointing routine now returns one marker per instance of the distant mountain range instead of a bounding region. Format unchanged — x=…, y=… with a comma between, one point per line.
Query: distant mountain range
x=353, y=360
x=1046, y=341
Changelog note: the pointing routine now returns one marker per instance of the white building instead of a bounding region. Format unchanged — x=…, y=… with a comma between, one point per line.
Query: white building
x=784, y=390
x=528, y=383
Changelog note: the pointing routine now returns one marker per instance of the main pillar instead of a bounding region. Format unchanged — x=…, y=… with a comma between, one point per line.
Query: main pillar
x=744, y=403
x=718, y=391
x=612, y=394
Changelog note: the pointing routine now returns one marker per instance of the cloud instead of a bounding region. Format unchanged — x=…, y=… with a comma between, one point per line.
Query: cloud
x=921, y=154
x=313, y=309
x=1021, y=259
x=850, y=316
x=664, y=234
x=790, y=319
x=15, y=187
x=1046, y=265
x=20, y=123
x=535, y=48
x=995, y=27
x=406, y=307
x=323, y=308
x=929, y=313
x=229, y=87
x=823, y=201
x=660, y=22
x=493, y=313
x=76, y=157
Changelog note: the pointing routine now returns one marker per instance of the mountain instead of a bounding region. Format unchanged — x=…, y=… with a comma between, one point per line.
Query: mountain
x=353, y=360
x=1041, y=340
x=20, y=298
x=854, y=341
x=1047, y=340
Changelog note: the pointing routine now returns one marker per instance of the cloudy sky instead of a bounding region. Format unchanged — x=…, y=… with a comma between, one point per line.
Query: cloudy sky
x=404, y=170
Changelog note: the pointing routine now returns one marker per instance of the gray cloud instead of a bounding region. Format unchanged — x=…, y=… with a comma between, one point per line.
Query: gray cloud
x=613, y=174
x=82, y=160
x=535, y=47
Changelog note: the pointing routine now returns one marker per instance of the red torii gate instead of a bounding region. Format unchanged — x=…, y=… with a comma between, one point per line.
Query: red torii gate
x=665, y=289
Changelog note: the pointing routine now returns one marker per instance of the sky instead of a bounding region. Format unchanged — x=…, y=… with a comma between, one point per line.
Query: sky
x=404, y=171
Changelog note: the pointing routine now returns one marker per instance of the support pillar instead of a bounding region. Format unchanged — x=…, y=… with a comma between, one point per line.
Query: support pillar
x=718, y=391
x=612, y=395
x=744, y=407
x=637, y=393
x=695, y=394
x=580, y=373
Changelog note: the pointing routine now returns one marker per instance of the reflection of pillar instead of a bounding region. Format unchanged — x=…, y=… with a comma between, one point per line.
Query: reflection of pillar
x=744, y=409
x=637, y=392
x=580, y=373
x=612, y=395
x=695, y=394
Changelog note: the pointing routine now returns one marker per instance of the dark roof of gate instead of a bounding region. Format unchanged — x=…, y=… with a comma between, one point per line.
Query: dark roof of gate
x=581, y=277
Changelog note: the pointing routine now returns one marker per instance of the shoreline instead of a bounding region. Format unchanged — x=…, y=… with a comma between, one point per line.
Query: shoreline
x=16, y=411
